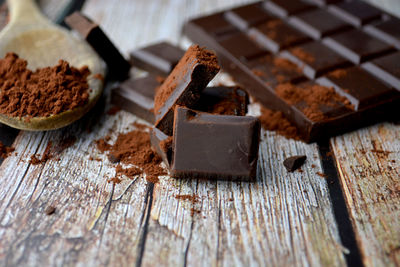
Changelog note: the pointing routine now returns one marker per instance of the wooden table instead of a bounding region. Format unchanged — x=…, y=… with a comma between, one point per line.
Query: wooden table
x=343, y=209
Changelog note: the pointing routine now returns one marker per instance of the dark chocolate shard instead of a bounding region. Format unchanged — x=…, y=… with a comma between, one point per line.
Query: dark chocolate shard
x=137, y=96
x=118, y=67
x=293, y=163
x=159, y=58
x=50, y=210
x=162, y=143
x=183, y=86
x=214, y=146
x=223, y=100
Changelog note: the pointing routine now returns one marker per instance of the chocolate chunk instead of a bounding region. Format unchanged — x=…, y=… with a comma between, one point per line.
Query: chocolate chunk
x=386, y=68
x=223, y=100
x=318, y=23
x=355, y=12
x=159, y=58
x=214, y=146
x=162, y=143
x=247, y=16
x=50, y=210
x=356, y=45
x=293, y=163
x=118, y=67
x=137, y=96
x=359, y=87
x=275, y=35
x=308, y=57
x=285, y=8
x=184, y=85
x=387, y=31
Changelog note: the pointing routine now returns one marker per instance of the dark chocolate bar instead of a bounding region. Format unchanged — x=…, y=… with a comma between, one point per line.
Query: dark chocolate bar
x=214, y=146
x=159, y=58
x=184, y=85
x=270, y=76
x=118, y=67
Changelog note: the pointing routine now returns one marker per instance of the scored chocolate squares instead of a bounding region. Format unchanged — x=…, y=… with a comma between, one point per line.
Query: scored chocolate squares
x=183, y=86
x=214, y=146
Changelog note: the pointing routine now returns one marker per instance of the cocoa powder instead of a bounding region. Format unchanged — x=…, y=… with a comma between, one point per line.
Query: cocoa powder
x=5, y=151
x=44, y=92
x=276, y=121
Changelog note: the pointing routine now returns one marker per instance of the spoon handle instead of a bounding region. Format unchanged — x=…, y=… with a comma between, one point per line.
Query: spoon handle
x=24, y=12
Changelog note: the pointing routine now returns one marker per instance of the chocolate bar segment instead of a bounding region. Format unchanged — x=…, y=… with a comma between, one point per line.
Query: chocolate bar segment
x=184, y=85
x=118, y=67
x=318, y=23
x=355, y=12
x=315, y=58
x=285, y=8
x=275, y=35
x=357, y=46
x=137, y=96
x=216, y=25
x=242, y=47
x=159, y=58
x=387, y=31
x=360, y=87
x=386, y=68
x=246, y=16
x=214, y=146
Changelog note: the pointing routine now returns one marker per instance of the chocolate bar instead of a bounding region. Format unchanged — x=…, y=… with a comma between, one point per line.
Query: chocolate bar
x=118, y=67
x=159, y=58
x=270, y=67
x=183, y=86
x=214, y=146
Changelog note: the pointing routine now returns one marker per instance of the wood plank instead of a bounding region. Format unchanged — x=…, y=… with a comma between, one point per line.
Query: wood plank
x=369, y=167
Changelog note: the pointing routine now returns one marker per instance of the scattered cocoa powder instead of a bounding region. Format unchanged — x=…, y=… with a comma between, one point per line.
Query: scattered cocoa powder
x=45, y=156
x=195, y=54
x=339, y=73
x=44, y=92
x=5, y=151
x=314, y=96
x=134, y=148
x=277, y=122
x=323, y=175
x=283, y=63
x=303, y=55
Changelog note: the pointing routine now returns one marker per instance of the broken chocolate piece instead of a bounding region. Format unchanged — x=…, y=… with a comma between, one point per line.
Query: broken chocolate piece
x=162, y=143
x=214, y=146
x=118, y=67
x=293, y=163
x=184, y=85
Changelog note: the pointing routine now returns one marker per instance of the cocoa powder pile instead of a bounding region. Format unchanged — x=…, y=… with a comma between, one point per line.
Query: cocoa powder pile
x=44, y=92
x=133, y=148
x=276, y=121
x=5, y=151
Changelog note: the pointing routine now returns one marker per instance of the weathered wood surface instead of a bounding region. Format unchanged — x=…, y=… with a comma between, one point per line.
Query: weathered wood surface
x=282, y=219
x=369, y=166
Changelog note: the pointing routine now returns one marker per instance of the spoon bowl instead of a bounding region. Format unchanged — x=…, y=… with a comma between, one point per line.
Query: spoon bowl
x=42, y=43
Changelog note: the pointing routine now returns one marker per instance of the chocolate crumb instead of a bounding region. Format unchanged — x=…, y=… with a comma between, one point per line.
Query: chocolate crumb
x=293, y=163
x=321, y=174
x=50, y=210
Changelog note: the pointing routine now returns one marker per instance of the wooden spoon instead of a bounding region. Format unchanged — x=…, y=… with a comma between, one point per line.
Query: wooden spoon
x=42, y=43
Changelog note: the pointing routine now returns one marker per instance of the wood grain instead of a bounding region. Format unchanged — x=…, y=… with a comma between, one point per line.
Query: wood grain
x=369, y=166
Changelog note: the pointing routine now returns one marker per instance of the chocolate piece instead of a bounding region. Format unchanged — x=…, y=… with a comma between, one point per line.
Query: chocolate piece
x=214, y=146
x=162, y=143
x=315, y=59
x=260, y=76
x=242, y=47
x=118, y=67
x=387, y=31
x=274, y=70
x=246, y=16
x=136, y=96
x=223, y=100
x=50, y=210
x=318, y=23
x=356, y=45
x=358, y=86
x=216, y=25
x=355, y=12
x=386, y=68
x=183, y=86
x=293, y=163
x=159, y=58
x=285, y=8
x=276, y=35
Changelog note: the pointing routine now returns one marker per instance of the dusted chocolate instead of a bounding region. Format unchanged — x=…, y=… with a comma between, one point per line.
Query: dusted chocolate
x=214, y=146
x=184, y=85
x=118, y=67
x=162, y=143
